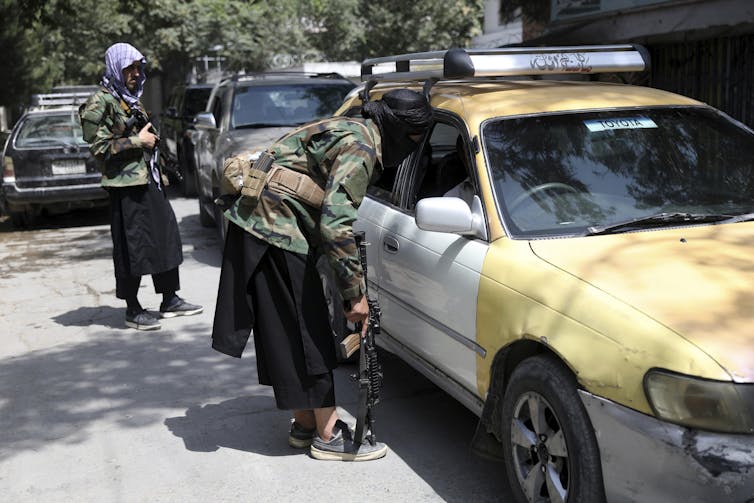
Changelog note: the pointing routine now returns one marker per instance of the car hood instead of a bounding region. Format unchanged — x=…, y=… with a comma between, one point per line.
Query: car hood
x=697, y=281
x=255, y=139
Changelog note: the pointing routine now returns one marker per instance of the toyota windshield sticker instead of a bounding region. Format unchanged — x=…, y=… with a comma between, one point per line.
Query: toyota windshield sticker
x=595, y=125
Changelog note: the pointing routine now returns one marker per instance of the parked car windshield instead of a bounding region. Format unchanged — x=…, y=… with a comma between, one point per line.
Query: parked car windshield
x=569, y=174
x=285, y=105
x=46, y=130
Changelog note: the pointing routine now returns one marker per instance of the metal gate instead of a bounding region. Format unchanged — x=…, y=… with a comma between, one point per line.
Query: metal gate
x=719, y=72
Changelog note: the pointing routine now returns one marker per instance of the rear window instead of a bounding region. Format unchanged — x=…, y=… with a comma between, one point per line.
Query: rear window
x=45, y=130
x=285, y=105
x=560, y=174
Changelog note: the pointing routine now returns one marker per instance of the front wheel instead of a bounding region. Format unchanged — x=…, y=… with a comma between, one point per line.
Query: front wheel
x=205, y=216
x=550, y=450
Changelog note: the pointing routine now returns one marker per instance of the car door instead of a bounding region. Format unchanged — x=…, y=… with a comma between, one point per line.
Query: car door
x=428, y=281
x=206, y=143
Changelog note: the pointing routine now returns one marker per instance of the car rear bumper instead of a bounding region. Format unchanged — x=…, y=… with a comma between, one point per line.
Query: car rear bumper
x=644, y=459
x=74, y=195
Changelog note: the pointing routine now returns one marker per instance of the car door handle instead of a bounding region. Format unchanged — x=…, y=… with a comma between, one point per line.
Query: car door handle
x=390, y=245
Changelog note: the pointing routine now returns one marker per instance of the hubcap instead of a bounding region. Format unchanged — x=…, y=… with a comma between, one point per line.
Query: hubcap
x=539, y=451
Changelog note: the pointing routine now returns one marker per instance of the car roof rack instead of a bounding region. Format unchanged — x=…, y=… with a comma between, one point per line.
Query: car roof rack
x=68, y=96
x=462, y=64
x=277, y=74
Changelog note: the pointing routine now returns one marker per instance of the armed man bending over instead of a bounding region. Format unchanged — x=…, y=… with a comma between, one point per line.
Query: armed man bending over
x=142, y=223
x=318, y=176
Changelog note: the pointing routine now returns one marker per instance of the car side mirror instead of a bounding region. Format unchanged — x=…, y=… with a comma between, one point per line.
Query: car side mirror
x=451, y=215
x=205, y=120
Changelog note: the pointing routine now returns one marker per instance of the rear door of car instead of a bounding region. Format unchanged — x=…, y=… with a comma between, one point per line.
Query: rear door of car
x=428, y=281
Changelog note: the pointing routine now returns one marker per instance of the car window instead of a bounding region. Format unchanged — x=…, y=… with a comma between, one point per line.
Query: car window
x=49, y=129
x=195, y=100
x=285, y=105
x=560, y=174
x=443, y=167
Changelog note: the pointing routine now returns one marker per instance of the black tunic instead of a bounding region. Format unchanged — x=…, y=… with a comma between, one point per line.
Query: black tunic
x=279, y=294
x=144, y=231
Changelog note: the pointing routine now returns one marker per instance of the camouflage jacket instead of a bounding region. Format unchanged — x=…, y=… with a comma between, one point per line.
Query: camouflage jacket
x=343, y=156
x=118, y=152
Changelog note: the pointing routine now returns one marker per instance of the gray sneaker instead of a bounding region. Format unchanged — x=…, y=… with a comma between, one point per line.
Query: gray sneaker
x=179, y=307
x=142, y=320
x=300, y=437
x=342, y=448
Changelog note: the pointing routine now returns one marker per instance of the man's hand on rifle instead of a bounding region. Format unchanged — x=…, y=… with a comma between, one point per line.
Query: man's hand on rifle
x=359, y=312
x=148, y=139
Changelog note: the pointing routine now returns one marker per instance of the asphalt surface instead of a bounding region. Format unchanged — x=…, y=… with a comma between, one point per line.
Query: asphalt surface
x=92, y=411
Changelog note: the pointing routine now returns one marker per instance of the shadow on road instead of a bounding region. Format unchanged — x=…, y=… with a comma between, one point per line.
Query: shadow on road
x=233, y=424
x=106, y=316
x=421, y=424
x=135, y=380
x=74, y=218
x=126, y=377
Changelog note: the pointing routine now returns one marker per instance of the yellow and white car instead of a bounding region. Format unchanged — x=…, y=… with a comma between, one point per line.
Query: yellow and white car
x=574, y=262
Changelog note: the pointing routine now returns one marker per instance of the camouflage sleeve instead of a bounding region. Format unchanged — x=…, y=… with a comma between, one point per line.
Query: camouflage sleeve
x=345, y=189
x=104, y=131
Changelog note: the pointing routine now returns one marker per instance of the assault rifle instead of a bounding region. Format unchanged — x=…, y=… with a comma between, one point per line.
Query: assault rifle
x=135, y=123
x=369, y=377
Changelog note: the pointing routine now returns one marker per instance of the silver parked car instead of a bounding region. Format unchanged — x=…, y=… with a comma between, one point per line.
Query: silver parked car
x=247, y=113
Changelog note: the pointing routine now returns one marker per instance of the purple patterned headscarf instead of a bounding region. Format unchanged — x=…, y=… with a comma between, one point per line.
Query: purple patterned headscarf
x=118, y=57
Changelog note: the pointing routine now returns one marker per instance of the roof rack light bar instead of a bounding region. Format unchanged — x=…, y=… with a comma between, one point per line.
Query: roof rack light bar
x=59, y=99
x=507, y=62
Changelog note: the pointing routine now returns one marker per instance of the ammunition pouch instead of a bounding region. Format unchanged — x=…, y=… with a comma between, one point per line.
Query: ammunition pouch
x=242, y=177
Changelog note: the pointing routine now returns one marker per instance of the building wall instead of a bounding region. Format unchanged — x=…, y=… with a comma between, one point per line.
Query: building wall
x=495, y=33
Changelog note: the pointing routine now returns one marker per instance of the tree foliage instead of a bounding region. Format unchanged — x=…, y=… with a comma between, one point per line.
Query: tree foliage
x=49, y=42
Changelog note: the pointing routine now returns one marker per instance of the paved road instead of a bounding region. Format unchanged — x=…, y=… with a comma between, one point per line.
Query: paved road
x=93, y=411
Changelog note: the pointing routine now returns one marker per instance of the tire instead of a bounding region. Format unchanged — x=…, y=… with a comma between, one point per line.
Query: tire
x=219, y=221
x=188, y=169
x=205, y=217
x=555, y=459
x=21, y=219
x=189, y=184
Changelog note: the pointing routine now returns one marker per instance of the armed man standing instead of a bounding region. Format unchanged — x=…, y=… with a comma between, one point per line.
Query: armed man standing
x=142, y=223
x=298, y=202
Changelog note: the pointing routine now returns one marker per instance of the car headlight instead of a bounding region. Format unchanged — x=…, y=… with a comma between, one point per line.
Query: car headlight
x=702, y=404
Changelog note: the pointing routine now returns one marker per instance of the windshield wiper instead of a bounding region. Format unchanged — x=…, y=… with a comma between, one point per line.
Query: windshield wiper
x=258, y=125
x=656, y=220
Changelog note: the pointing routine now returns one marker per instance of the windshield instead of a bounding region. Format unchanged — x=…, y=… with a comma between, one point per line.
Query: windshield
x=566, y=174
x=285, y=105
x=46, y=130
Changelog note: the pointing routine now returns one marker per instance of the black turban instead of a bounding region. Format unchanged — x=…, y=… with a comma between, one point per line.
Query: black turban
x=398, y=114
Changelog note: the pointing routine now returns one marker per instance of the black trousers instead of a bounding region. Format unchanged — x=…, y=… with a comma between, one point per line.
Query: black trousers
x=279, y=295
x=127, y=287
x=145, y=238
